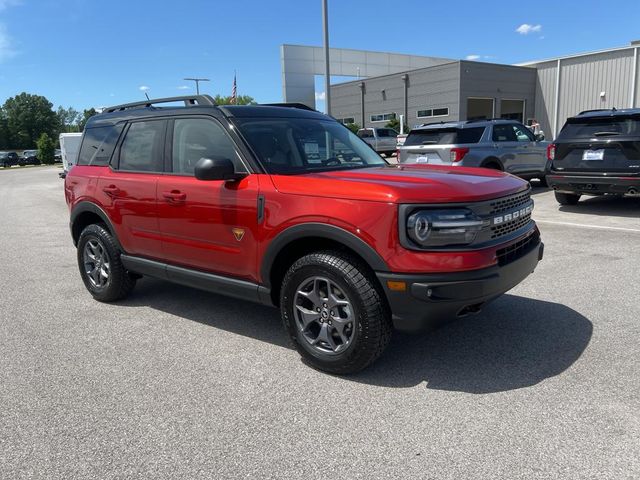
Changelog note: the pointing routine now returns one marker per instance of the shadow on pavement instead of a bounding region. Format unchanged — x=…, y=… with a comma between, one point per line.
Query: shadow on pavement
x=606, y=205
x=516, y=342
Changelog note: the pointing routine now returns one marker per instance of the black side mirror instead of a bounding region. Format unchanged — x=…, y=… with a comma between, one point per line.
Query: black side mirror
x=216, y=169
x=539, y=137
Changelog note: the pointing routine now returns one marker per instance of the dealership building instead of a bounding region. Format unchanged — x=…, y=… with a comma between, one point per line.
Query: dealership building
x=434, y=89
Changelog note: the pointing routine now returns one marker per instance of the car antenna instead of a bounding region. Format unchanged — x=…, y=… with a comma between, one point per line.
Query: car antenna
x=147, y=95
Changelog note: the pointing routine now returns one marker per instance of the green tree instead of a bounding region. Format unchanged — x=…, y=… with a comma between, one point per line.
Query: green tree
x=46, y=149
x=395, y=124
x=354, y=127
x=28, y=116
x=4, y=130
x=68, y=118
x=240, y=100
x=86, y=115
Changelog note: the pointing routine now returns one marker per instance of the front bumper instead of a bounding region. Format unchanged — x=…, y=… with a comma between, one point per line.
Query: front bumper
x=594, y=185
x=430, y=300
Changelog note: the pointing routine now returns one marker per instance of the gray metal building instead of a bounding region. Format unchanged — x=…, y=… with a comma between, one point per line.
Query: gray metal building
x=431, y=89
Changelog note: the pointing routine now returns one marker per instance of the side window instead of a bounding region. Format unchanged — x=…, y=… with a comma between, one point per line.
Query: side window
x=503, y=133
x=196, y=138
x=365, y=133
x=142, y=148
x=523, y=134
x=98, y=144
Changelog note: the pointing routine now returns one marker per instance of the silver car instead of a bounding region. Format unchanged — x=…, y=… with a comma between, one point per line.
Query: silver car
x=504, y=145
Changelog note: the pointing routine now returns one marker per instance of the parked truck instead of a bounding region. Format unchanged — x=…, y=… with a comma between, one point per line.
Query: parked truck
x=382, y=140
x=69, y=148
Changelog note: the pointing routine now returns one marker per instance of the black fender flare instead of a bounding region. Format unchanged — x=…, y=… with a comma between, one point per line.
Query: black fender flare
x=84, y=207
x=492, y=160
x=319, y=230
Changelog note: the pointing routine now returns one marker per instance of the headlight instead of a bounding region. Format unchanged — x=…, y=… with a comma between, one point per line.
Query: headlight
x=437, y=228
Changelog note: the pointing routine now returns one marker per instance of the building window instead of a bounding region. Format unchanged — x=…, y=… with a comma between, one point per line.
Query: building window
x=383, y=117
x=346, y=120
x=433, y=112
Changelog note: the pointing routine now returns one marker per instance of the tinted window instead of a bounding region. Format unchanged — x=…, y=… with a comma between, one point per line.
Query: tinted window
x=365, y=133
x=600, y=127
x=386, y=132
x=141, y=150
x=196, y=138
x=98, y=144
x=444, y=136
x=303, y=145
x=504, y=133
x=523, y=134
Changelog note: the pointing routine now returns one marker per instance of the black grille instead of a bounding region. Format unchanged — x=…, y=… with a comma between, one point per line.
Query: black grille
x=510, y=227
x=508, y=203
x=516, y=250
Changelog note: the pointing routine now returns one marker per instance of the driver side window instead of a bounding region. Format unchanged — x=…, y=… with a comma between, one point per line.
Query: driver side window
x=523, y=134
x=196, y=138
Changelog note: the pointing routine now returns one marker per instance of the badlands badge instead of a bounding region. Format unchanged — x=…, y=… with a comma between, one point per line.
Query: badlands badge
x=238, y=233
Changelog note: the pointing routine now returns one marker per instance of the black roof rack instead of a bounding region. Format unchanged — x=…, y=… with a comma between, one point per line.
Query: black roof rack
x=301, y=106
x=614, y=109
x=488, y=120
x=189, y=101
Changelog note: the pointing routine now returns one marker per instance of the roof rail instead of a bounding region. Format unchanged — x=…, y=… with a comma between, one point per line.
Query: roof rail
x=189, y=101
x=301, y=106
x=614, y=109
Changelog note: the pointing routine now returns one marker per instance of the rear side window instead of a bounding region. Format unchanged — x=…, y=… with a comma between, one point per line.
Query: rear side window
x=600, y=127
x=142, y=148
x=98, y=144
x=444, y=136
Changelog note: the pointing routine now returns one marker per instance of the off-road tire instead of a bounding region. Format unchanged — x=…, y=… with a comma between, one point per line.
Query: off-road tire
x=372, y=319
x=119, y=283
x=567, y=198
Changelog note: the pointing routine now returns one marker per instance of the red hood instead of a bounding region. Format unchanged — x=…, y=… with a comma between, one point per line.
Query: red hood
x=403, y=184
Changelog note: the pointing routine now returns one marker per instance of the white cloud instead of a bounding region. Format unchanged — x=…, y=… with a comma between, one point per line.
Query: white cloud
x=475, y=57
x=184, y=87
x=526, y=29
x=320, y=96
x=6, y=47
x=143, y=88
x=9, y=3
x=472, y=57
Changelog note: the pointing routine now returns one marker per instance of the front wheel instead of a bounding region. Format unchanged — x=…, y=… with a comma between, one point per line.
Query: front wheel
x=100, y=266
x=334, y=312
x=567, y=198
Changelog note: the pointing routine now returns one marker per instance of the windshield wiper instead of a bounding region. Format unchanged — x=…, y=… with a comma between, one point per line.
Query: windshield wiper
x=429, y=142
x=606, y=134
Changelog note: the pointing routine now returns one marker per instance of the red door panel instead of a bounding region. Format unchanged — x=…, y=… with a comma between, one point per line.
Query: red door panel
x=129, y=200
x=210, y=225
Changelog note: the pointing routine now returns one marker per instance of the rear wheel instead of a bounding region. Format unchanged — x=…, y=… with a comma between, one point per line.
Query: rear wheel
x=100, y=266
x=334, y=312
x=567, y=198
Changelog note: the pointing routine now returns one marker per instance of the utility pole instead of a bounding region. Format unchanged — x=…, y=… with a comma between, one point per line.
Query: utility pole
x=198, y=80
x=327, y=77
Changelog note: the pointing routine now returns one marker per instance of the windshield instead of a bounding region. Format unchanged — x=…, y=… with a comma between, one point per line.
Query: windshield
x=600, y=127
x=303, y=145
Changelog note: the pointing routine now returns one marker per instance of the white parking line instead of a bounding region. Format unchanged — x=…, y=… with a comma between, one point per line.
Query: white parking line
x=583, y=225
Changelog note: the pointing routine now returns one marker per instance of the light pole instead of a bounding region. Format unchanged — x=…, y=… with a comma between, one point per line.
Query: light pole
x=325, y=31
x=198, y=80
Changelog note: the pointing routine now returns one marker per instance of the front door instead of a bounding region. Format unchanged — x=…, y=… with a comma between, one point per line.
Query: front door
x=207, y=225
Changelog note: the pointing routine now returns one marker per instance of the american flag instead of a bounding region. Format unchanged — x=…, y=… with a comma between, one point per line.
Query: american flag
x=234, y=91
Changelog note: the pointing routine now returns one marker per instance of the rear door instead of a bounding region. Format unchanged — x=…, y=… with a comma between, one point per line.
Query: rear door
x=509, y=150
x=127, y=190
x=387, y=140
x=600, y=144
x=207, y=225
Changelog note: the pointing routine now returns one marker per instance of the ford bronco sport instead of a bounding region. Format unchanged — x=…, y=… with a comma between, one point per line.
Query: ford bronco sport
x=287, y=207
x=597, y=152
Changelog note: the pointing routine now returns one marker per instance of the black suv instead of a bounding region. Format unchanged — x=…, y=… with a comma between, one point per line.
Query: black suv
x=7, y=159
x=596, y=153
x=29, y=157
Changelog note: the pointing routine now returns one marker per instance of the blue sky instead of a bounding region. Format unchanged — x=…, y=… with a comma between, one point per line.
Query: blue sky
x=85, y=53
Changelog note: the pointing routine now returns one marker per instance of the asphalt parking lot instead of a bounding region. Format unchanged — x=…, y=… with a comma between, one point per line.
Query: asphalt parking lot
x=177, y=383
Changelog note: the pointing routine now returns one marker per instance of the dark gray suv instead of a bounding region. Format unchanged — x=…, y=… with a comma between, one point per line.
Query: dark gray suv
x=499, y=144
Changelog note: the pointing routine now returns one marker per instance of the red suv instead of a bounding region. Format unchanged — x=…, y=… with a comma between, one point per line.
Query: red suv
x=285, y=206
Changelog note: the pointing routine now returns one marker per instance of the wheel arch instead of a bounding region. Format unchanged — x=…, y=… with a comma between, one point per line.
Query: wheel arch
x=87, y=213
x=492, y=160
x=299, y=240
